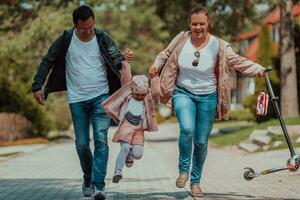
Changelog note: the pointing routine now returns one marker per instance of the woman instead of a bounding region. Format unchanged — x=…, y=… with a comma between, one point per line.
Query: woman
x=195, y=80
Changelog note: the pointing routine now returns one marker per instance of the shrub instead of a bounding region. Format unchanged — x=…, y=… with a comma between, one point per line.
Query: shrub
x=15, y=99
x=242, y=115
x=62, y=117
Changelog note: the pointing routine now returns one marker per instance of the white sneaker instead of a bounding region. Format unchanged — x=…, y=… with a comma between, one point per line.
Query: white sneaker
x=99, y=194
x=117, y=177
x=87, y=191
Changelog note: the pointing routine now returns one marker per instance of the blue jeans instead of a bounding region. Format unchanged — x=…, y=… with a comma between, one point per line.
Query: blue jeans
x=84, y=113
x=195, y=114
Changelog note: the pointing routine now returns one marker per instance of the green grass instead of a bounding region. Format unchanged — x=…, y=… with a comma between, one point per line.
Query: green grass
x=235, y=137
x=227, y=124
x=9, y=154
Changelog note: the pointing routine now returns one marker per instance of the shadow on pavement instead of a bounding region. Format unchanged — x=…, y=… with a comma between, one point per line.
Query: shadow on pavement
x=70, y=189
x=235, y=196
x=131, y=180
x=150, y=195
x=162, y=140
x=38, y=189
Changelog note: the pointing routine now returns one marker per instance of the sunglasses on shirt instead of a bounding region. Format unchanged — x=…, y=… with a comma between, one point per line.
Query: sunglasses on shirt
x=196, y=61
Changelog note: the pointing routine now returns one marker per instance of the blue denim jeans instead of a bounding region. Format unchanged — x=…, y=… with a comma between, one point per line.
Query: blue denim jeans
x=84, y=113
x=195, y=114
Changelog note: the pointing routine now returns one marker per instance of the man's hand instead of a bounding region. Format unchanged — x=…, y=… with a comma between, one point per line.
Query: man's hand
x=128, y=55
x=39, y=97
x=153, y=71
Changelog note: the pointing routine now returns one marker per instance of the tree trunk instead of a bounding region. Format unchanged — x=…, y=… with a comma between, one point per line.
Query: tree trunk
x=289, y=96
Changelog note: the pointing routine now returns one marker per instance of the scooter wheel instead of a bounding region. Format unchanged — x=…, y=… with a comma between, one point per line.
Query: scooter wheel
x=248, y=175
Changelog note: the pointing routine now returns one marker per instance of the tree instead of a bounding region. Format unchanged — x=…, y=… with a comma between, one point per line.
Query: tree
x=175, y=14
x=297, y=47
x=25, y=41
x=227, y=17
x=289, y=95
x=143, y=33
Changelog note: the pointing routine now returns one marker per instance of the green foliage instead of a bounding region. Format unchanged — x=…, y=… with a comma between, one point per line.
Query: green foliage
x=19, y=58
x=227, y=17
x=175, y=14
x=14, y=98
x=265, y=52
x=142, y=33
x=25, y=40
x=61, y=115
x=242, y=115
x=27, y=48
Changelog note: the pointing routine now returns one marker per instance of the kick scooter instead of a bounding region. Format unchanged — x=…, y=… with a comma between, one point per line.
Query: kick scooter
x=294, y=161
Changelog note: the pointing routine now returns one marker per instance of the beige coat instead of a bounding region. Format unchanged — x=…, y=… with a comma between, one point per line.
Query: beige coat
x=117, y=103
x=227, y=59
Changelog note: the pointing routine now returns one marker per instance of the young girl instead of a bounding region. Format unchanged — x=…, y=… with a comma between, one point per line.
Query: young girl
x=132, y=107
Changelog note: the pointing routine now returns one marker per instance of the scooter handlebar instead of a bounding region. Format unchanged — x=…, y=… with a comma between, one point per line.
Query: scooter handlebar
x=268, y=69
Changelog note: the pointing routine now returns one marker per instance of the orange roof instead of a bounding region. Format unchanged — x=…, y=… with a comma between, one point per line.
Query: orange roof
x=272, y=18
x=296, y=9
x=251, y=52
x=248, y=34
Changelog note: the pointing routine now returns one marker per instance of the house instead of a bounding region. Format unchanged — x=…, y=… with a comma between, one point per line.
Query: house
x=248, y=47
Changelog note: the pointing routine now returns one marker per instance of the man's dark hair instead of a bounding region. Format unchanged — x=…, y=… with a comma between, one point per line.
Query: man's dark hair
x=82, y=13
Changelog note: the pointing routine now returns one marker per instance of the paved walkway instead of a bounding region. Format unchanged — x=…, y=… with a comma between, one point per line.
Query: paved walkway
x=52, y=172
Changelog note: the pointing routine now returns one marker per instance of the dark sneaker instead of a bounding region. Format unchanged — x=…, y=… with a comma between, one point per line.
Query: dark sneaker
x=87, y=190
x=99, y=195
x=117, y=177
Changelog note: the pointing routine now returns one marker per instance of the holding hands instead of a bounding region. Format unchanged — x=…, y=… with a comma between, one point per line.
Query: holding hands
x=128, y=55
x=153, y=71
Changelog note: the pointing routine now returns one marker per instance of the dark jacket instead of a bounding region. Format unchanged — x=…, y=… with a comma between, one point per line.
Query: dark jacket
x=55, y=62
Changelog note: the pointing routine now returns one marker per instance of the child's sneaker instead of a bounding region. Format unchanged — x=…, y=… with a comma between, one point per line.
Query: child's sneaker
x=129, y=160
x=117, y=177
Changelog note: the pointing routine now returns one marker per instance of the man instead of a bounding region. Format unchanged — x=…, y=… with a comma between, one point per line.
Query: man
x=86, y=62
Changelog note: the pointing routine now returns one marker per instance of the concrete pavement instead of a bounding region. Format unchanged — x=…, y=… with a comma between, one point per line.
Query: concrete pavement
x=53, y=172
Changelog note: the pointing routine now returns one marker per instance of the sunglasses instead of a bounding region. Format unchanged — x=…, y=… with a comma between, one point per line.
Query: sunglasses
x=196, y=61
x=83, y=30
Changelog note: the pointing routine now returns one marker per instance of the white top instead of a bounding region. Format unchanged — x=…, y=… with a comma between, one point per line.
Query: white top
x=85, y=70
x=198, y=79
x=135, y=107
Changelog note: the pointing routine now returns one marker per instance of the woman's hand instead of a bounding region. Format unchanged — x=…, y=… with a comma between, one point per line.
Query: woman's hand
x=261, y=74
x=153, y=71
x=128, y=55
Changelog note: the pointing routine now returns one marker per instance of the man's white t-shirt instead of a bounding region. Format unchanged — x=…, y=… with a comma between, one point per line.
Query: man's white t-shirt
x=85, y=70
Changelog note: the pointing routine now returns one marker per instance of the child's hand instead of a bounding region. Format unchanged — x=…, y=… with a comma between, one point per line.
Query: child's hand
x=128, y=55
x=153, y=71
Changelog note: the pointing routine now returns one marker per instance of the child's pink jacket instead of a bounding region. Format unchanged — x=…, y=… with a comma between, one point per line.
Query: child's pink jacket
x=117, y=103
